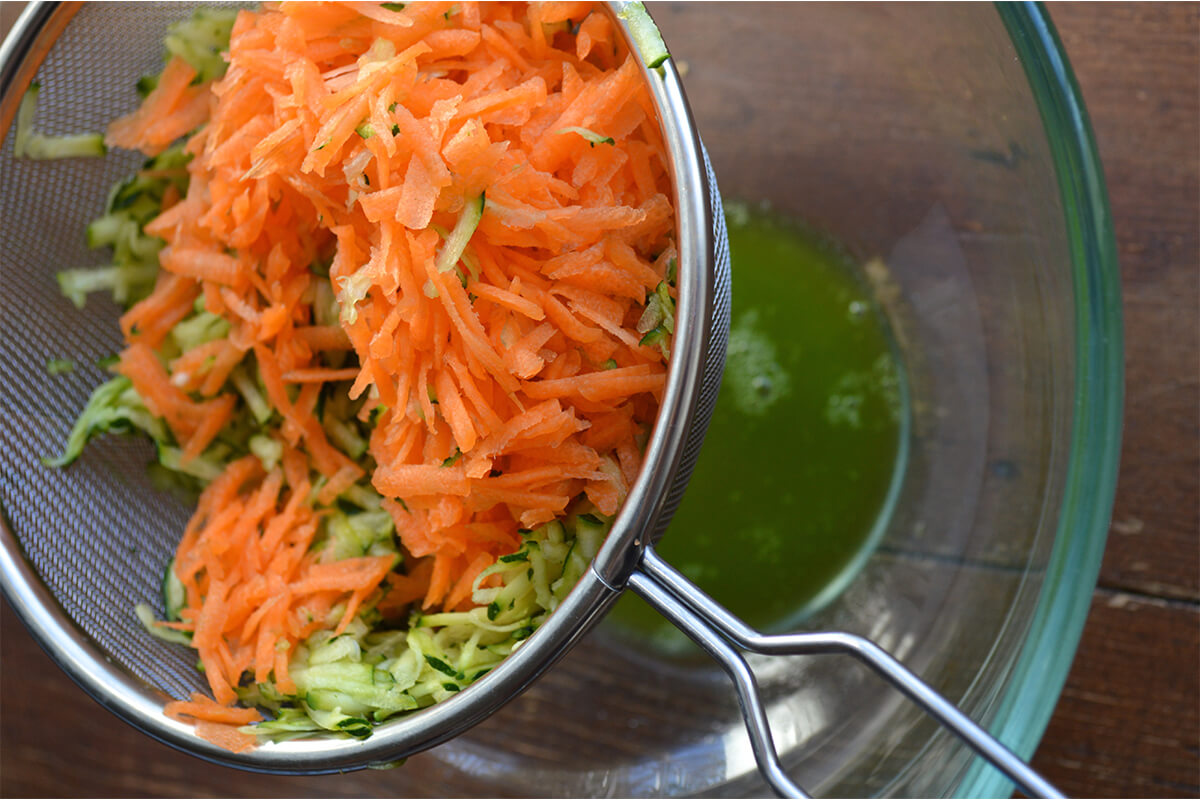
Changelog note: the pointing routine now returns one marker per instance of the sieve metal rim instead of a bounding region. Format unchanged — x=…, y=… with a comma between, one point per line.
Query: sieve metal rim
x=679, y=423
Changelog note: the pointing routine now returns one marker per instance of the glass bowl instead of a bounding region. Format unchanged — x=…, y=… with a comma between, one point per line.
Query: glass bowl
x=950, y=142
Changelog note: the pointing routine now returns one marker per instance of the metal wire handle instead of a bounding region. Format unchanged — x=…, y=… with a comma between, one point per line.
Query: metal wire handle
x=719, y=633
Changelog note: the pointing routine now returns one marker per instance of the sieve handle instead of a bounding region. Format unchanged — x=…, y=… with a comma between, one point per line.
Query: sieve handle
x=722, y=635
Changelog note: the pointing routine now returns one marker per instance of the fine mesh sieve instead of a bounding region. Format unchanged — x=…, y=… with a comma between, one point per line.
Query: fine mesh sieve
x=80, y=547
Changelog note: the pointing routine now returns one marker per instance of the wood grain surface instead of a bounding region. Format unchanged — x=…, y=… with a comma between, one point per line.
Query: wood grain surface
x=1128, y=723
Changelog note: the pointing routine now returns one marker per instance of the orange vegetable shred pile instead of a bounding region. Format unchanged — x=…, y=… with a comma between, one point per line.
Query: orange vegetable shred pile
x=502, y=387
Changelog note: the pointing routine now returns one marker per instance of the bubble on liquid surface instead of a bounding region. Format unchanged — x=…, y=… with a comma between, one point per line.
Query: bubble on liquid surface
x=752, y=370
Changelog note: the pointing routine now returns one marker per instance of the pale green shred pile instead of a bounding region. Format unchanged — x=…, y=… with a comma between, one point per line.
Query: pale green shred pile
x=347, y=682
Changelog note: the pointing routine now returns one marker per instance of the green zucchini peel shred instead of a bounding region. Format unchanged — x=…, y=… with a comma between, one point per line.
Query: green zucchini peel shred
x=645, y=33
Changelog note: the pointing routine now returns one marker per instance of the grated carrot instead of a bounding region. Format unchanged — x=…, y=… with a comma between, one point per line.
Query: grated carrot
x=491, y=380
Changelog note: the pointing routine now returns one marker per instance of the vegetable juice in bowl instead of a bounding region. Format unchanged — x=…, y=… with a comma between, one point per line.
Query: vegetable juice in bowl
x=806, y=451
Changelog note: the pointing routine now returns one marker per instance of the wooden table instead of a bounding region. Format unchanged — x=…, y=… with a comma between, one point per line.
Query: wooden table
x=1128, y=722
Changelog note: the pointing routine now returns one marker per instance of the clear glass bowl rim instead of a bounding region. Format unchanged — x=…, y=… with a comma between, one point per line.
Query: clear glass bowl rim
x=1041, y=670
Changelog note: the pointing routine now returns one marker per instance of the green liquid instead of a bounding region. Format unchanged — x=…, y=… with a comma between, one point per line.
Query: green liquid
x=803, y=453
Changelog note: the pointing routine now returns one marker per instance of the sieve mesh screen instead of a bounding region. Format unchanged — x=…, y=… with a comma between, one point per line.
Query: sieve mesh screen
x=97, y=533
